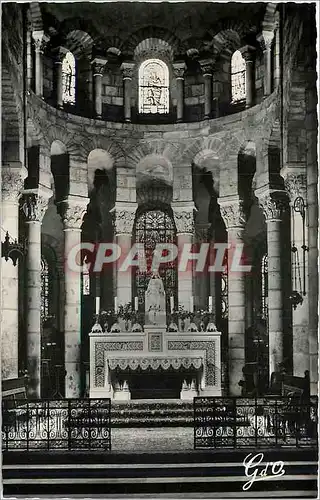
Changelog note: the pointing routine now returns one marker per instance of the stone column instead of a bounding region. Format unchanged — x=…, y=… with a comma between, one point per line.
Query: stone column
x=98, y=65
x=277, y=50
x=178, y=70
x=273, y=204
x=233, y=214
x=72, y=210
x=40, y=41
x=184, y=220
x=248, y=55
x=206, y=67
x=296, y=186
x=34, y=207
x=127, y=70
x=266, y=39
x=202, y=280
x=124, y=216
x=59, y=56
x=29, y=56
x=12, y=183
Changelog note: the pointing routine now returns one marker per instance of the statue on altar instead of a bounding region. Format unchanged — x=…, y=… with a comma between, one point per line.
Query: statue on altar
x=155, y=302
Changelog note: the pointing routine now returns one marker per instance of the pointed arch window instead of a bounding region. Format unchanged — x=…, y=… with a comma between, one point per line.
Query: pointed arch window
x=238, y=77
x=153, y=87
x=44, y=289
x=264, y=287
x=69, y=79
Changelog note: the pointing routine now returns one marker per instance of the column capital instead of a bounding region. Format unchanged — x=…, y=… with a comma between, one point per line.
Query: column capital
x=179, y=68
x=273, y=203
x=232, y=209
x=98, y=65
x=184, y=218
x=12, y=176
x=295, y=181
x=40, y=40
x=265, y=39
x=35, y=203
x=123, y=217
x=127, y=70
x=59, y=53
x=207, y=66
x=72, y=210
x=248, y=53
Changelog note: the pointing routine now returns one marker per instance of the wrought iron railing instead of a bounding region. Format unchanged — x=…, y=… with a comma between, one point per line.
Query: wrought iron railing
x=67, y=424
x=231, y=422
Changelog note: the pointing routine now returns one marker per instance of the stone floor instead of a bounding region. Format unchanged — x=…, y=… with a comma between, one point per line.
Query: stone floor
x=152, y=439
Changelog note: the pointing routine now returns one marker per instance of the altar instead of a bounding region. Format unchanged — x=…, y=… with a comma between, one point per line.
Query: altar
x=156, y=361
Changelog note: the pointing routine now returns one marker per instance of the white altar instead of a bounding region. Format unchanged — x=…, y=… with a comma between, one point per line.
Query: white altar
x=153, y=349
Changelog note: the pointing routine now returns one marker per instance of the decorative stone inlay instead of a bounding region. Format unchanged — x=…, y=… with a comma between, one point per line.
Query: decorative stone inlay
x=233, y=213
x=98, y=65
x=184, y=220
x=204, y=345
x=34, y=206
x=99, y=355
x=296, y=185
x=123, y=220
x=155, y=342
x=154, y=363
x=274, y=205
x=72, y=212
x=127, y=70
x=12, y=183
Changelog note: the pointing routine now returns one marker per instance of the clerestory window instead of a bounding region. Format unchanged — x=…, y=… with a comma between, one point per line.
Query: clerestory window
x=69, y=79
x=153, y=87
x=238, y=77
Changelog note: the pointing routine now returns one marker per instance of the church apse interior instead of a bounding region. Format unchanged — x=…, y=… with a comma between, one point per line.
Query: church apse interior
x=183, y=124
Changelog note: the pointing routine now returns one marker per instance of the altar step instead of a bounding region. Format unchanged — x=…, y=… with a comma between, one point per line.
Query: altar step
x=152, y=413
x=207, y=474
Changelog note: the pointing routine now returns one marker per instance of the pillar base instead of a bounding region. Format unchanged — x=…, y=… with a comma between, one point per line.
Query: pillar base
x=188, y=394
x=127, y=120
x=124, y=395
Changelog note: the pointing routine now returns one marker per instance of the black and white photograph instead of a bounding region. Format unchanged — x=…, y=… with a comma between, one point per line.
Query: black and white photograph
x=159, y=249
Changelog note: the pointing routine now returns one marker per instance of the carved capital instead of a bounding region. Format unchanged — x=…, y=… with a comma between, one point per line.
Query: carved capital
x=179, y=69
x=123, y=219
x=72, y=211
x=127, y=70
x=40, y=40
x=207, y=66
x=12, y=182
x=274, y=204
x=248, y=53
x=184, y=220
x=98, y=65
x=265, y=39
x=233, y=212
x=35, y=204
x=296, y=185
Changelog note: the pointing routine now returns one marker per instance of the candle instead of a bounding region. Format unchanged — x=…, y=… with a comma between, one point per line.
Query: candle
x=191, y=304
x=210, y=303
x=97, y=305
x=172, y=304
x=136, y=304
x=116, y=305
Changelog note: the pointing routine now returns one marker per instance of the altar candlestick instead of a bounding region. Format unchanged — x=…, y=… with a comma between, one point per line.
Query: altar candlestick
x=191, y=304
x=172, y=304
x=97, y=305
x=116, y=305
x=210, y=303
x=136, y=304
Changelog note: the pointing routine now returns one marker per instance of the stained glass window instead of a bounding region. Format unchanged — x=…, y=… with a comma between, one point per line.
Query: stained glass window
x=152, y=227
x=85, y=278
x=44, y=289
x=264, y=287
x=153, y=87
x=69, y=79
x=238, y=77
